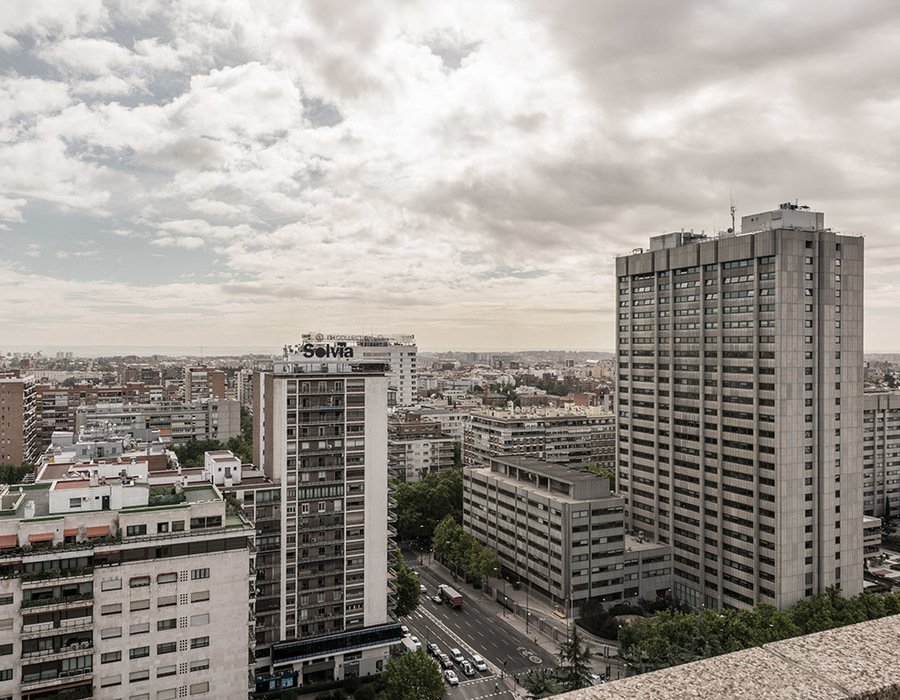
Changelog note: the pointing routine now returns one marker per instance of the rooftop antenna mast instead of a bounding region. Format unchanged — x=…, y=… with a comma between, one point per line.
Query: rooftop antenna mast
x=732, y=211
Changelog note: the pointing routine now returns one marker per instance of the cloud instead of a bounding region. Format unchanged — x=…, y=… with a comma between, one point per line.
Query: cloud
x=467, y=171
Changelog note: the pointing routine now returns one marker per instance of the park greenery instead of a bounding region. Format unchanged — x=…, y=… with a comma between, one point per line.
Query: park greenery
x=406, y=583
x=672, y=637
x=11, y=474
x=573, y=672
x=423, y=504
x=462, y=553
x=413, y=676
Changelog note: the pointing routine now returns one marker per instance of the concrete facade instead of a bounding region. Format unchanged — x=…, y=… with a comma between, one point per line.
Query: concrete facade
x=881, y=453
x=740, y=409
x=18, y=420
x=417, y=448
x=320, y=437
x=562, y=531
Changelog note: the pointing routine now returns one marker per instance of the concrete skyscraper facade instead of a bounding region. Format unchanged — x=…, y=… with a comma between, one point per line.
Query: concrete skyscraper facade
x=18, y=420
x=320, y=434
x=740, y=407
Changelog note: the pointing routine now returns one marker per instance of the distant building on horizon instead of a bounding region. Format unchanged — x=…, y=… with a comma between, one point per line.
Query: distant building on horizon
x=740, y=411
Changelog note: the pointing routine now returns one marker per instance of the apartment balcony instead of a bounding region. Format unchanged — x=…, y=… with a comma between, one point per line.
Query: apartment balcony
x=47, y=629
x=64, y=678
x=37, y=580
x=65, y=603
x=74, y=649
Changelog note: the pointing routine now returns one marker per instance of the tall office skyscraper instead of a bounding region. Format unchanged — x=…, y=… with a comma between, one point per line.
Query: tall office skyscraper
x=320, y=434
x=740, y=407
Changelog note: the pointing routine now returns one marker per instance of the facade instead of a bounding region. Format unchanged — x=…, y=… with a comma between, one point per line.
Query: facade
x=398, y=351
x=109, y=591
x=562, y=531
x=18, y=420
x=203, y=383
x=740, y=408
x=177, y=423
x=564, y=437
x=320, y=435
x=881, y=453
x=417, y=448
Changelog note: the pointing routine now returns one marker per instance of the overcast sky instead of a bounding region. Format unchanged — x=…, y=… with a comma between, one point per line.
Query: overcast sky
x=211, y=172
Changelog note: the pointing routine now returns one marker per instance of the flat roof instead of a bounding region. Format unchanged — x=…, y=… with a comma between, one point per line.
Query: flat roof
x=552, y=470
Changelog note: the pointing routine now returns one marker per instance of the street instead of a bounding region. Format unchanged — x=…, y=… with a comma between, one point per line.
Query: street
x=475, y=628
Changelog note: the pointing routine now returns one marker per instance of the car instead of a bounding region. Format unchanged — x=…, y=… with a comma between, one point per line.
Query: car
x=456, y=655
x=467, y=668
x=405, y=630
x=416, y=643
x=451, y=677
x=434, y=649
x=445, y=661
x=437, y=599
x=479, y=662
x=422, y=589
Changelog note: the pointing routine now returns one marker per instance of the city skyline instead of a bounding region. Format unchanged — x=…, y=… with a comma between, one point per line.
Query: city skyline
x=197, y=175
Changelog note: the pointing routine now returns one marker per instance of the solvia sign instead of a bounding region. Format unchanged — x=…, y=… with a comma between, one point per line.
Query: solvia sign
x=326, y=351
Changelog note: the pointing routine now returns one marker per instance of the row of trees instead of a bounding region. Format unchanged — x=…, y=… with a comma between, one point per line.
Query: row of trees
x=672, y=637
x=190, y=454
x=573, y=672
x=423, y=504
x=463, y=553
x=406, y=584
x=10, y=474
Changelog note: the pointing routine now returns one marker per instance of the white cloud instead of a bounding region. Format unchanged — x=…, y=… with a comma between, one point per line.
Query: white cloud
x=186, y=242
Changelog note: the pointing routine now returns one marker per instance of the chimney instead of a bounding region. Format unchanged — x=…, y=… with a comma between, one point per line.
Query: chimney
x=29, y=509
x=95, y=478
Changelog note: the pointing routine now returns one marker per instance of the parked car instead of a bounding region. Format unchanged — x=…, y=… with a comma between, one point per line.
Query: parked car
x=405, y=630
x=456, y=655
x=445, y=661
x=434, y=649
x=479, y=662
x=416, y=643
x=467, y=668
x=451, y=677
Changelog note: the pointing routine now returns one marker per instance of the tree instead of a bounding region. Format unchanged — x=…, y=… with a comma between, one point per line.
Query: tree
x=407, y=585
x=423, y=504
x=413, y=676
x=540, y=683
x=190, y=454
x=574, y=660
x=10, y=474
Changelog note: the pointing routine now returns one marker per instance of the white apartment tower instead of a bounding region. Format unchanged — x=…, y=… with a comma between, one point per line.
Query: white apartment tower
x=740, y=407
x=320, y=432
x=398, y=351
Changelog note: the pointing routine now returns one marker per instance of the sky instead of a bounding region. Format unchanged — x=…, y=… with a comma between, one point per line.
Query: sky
x=235, y=172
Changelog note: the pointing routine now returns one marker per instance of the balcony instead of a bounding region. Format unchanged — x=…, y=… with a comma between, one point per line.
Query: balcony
x=46, y=629
x=64, y=677
x=73, y=649
x=58, y=603
x=36, y=580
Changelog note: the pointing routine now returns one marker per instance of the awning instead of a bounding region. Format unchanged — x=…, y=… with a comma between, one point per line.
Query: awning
x=8, y=541
x=98, y=531
x=70, y=531
x=41, y=537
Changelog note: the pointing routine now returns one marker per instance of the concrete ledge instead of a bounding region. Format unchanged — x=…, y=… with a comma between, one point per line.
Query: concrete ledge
x=859, y=661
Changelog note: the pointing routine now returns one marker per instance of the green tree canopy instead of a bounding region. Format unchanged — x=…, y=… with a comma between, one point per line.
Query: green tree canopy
x=407, y=585
x=10, y=474
x=540, y=683
x=413, y=676
x=190, y=454
x=462, y=552
x=423, y=504
x=575, y=656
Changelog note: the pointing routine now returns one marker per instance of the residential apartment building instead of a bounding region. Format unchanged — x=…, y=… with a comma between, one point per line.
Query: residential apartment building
x=112, y=589
x=203, y=383
x=881, y=453
x=18, y=420
x=320, y=434
x=417, y=447
x=399, y=352
x=740, y=407
x=562, y=531
x=177, y=423
x=554, y=435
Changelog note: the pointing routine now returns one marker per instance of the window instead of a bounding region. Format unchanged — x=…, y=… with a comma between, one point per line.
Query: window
x=164, y=671
x=111, y=584
x=202, y=619
x=140, y=604
x=6, y=674
x=6, y=599
x=199, y=573
x=111, y=609
x=138, y=652
x=166, y=600
x=139, y=581
x=111, y=657
x=198, y=688
x=167, y=694
x=200, y=665
x=74, y=503
x=110, y=632
x=199, y=642
x=162, y=527
x=139, y=628
x=135, y=530
x=107, y=681
x=169, y=624
x=199, y=596
x=178, y=526
x=167, y=648
x=137, y=676
x=167, y=578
